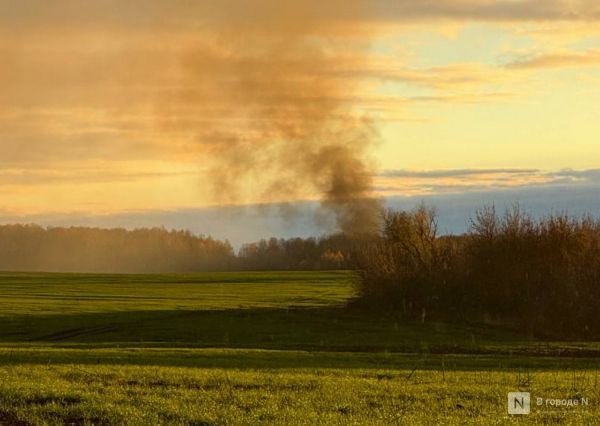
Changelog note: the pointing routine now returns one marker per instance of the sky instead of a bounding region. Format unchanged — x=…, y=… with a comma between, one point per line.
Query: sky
x=139, y=109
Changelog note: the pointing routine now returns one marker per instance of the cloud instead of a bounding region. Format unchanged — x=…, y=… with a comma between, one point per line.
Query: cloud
x=454, y=173
x=25, y=177
x=182, y=14
x=557, y=60
x=454, y=75
x=414, y=182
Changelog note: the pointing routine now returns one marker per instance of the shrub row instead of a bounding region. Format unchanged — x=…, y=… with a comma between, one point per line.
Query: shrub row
x=542, y=276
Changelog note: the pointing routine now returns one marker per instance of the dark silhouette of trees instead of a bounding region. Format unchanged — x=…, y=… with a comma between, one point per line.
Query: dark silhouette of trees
x=542, y=276
x=329, y=252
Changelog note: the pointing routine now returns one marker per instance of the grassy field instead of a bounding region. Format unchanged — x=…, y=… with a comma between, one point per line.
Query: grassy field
x=262, y=348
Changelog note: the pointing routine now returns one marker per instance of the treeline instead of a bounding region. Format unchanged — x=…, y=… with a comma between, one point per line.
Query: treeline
x=330, y=252
x=82, y=249
x=541, y=276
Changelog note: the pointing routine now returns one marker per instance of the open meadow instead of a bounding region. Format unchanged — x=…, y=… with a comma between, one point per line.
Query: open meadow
x=263, y=348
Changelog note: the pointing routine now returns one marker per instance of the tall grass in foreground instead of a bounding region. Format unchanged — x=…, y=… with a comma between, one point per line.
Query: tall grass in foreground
x=540, y=275
x=291, y=388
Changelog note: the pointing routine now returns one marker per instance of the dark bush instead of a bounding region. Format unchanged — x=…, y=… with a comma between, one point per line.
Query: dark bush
x=542, y=276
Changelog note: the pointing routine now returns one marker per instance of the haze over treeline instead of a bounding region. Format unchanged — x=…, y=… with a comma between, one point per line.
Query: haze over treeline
x=146, y=250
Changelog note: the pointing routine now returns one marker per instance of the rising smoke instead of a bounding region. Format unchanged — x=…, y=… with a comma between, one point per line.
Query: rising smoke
x=277, y=117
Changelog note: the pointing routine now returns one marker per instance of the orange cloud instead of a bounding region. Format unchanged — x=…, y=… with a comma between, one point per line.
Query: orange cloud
x=423, y=182
x=557, y=60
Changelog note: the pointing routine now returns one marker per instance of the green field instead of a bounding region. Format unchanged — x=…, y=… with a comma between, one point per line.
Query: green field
x=262, y=348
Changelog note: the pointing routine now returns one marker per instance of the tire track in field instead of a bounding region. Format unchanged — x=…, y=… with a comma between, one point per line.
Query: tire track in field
x=78, y=332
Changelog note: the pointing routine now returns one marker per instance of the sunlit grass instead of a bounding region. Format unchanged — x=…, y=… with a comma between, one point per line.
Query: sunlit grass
x=39, y=293
x=220, y=387
x=261, y=348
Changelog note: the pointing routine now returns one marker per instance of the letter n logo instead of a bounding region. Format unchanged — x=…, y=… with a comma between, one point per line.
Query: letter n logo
x=519, y=403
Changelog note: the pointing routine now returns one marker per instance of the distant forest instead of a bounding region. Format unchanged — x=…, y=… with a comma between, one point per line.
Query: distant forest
x=82, y=249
